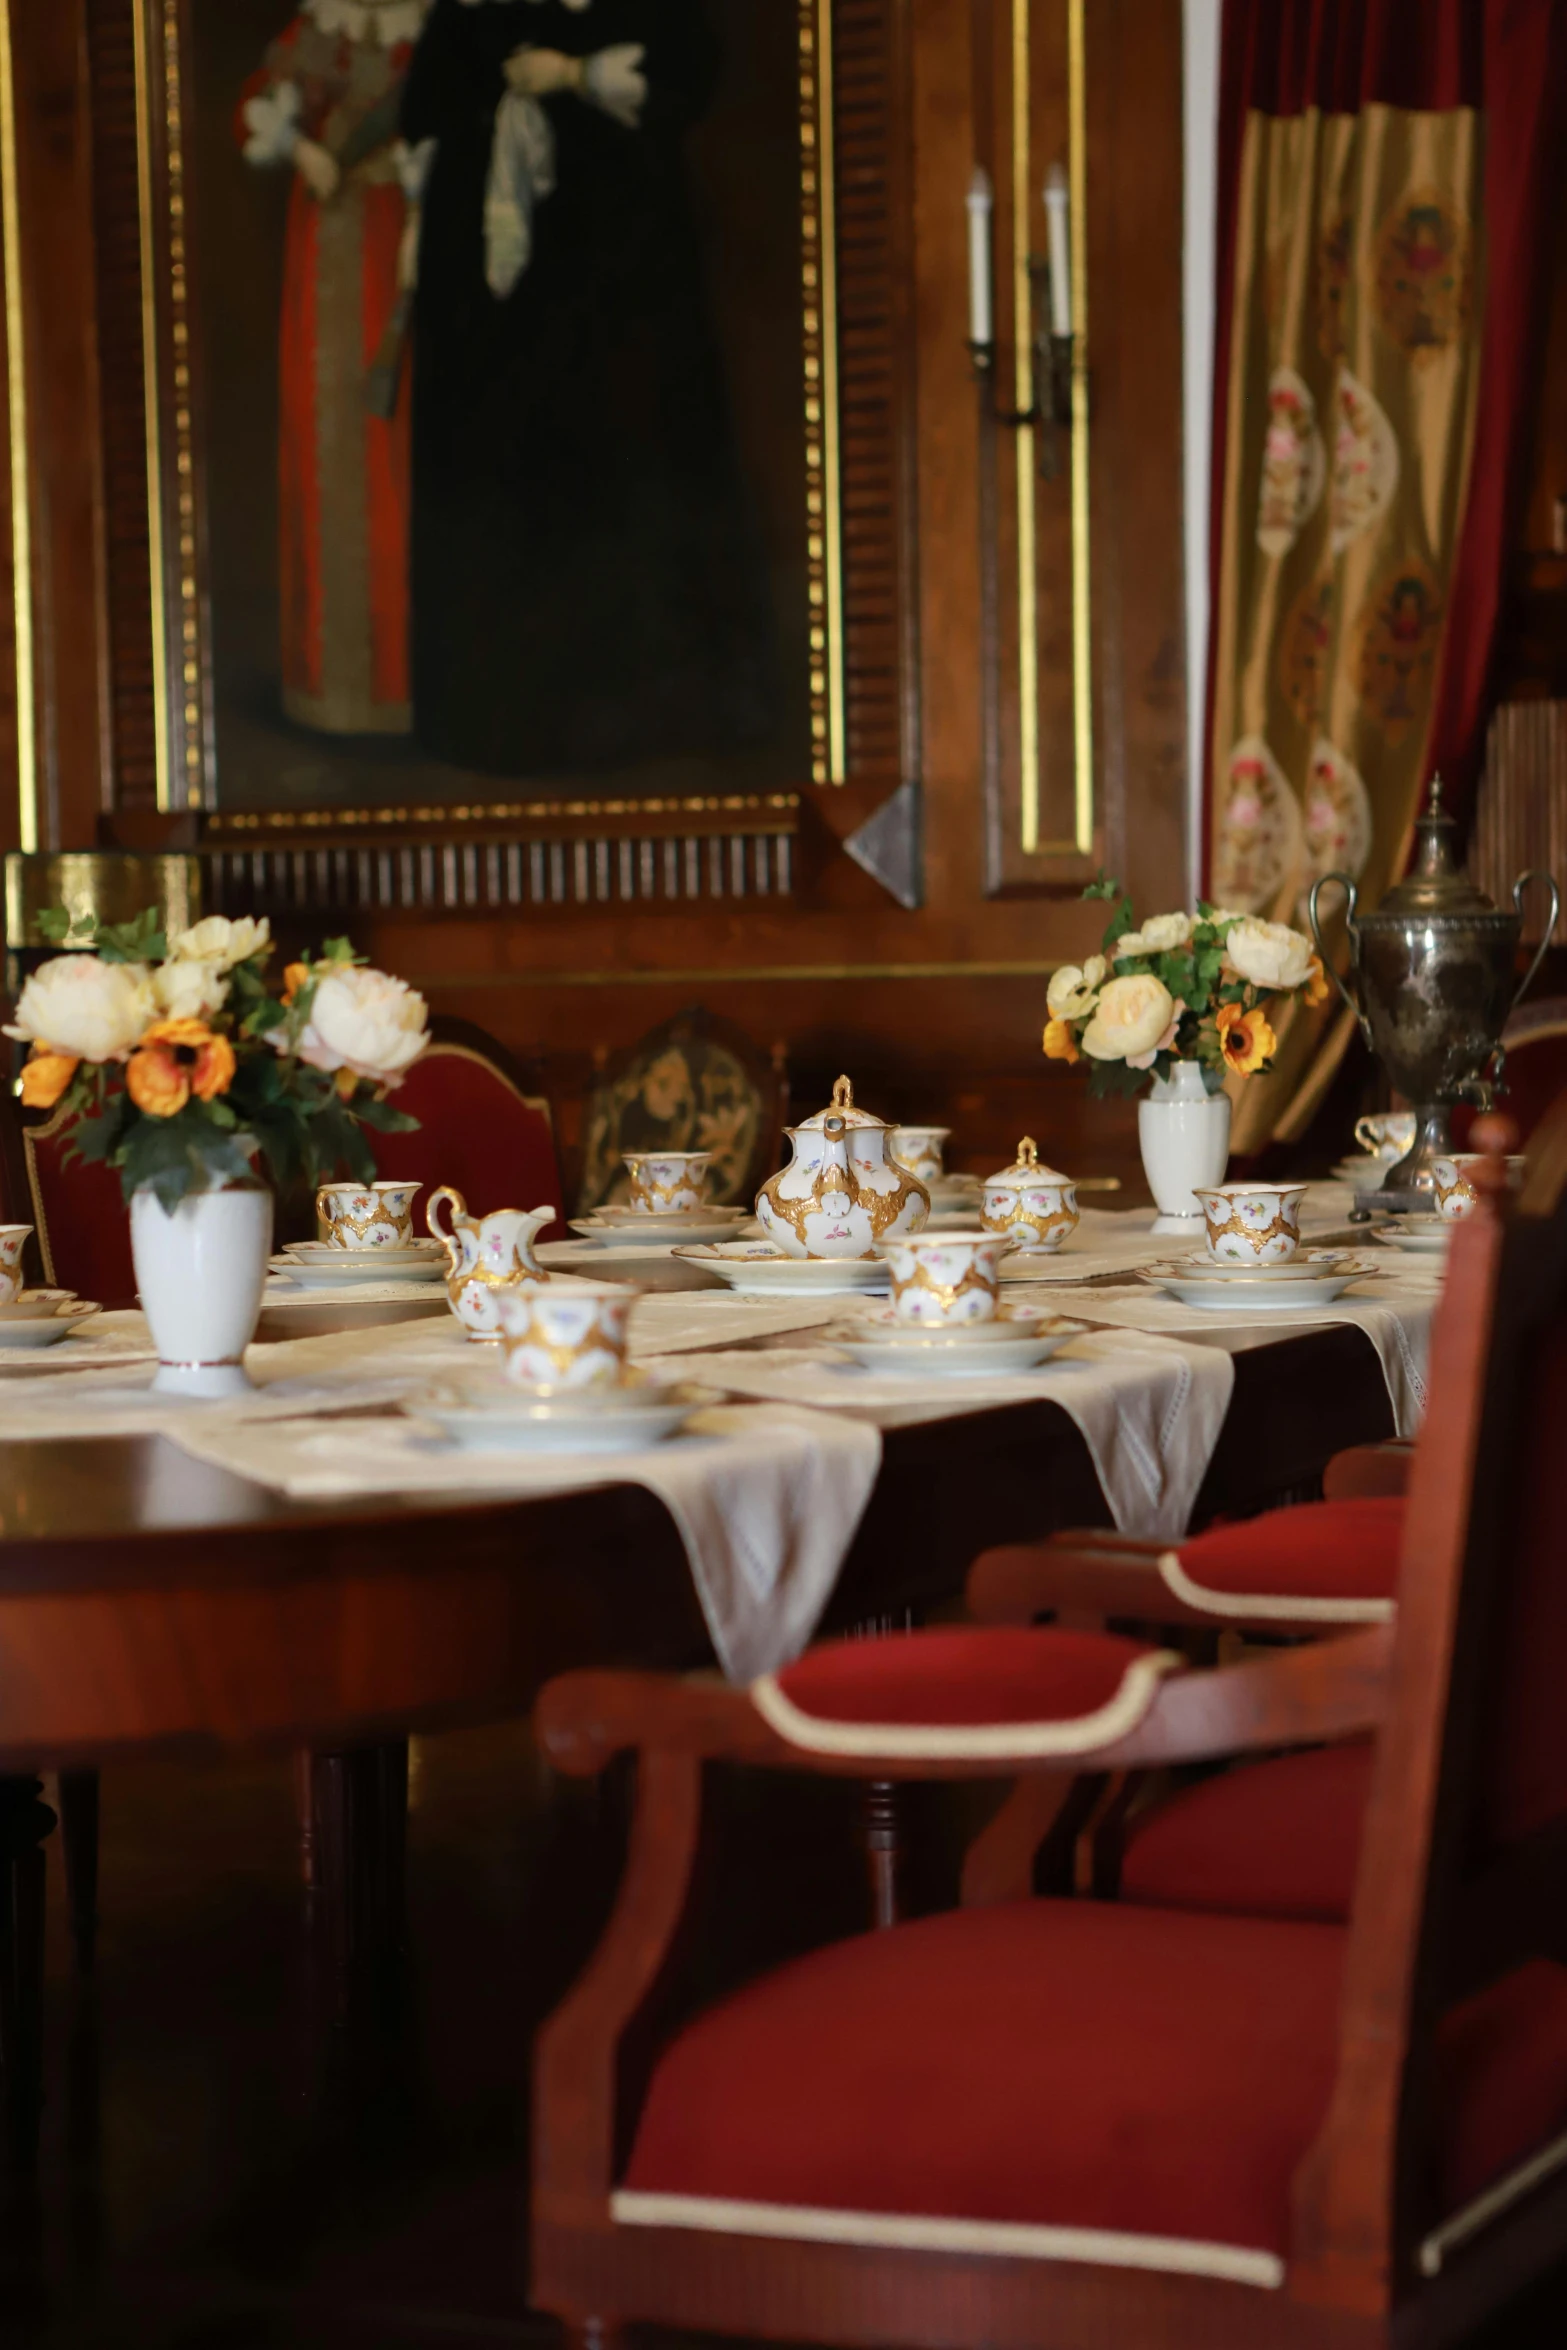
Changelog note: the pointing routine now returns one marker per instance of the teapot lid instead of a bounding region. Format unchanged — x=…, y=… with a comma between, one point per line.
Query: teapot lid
x=841, y=1112
x=1435, y=883
x=1026, y=1168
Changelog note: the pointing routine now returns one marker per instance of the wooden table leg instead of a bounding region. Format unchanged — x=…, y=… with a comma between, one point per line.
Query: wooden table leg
x=359, y=1799
x=79, y=1842
x=25, y=1821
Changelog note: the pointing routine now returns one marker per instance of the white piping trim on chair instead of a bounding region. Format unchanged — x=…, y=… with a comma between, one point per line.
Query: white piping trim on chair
x=1117, y=1718
x=1269, y=1603
x=1237, y=2264
x=1456, y=2232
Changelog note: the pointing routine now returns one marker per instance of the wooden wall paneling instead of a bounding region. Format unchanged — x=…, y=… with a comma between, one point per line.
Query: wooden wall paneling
x=52, y=303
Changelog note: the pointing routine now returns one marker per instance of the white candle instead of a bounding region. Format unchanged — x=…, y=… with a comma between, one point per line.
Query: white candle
x=981, y=328
x=1057, y=218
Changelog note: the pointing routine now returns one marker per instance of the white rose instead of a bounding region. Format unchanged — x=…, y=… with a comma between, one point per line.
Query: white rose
x=1072, y=989
x=1269, y=954
x=1162, y=933
x=189, y=991
x=1132, y=1015
x=92, y=1009
x=220, y=941
x=1131, y=942
x=365, y=1021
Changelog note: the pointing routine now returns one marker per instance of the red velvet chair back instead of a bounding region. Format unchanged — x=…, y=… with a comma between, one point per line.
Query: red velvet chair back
x=80, y=1218
x=479, y=1130
x=1536, y=1072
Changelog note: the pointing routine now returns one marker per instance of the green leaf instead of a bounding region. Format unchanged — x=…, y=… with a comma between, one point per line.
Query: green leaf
x=383, y=1116
x=55, y=923
x=1111, y=1079
x=141, y=941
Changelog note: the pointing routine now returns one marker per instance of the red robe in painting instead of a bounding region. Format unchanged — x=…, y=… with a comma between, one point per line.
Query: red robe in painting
x=343, y=473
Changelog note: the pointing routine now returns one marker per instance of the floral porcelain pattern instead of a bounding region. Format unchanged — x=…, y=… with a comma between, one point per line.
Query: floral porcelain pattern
x=942, y=1279
x=667, y=1182
x=1032, y=1206
x=1387, y=1134
x=1456, y=1196
x=13, y=1239
x=919, y=1148
x=842, y=1191
x=485, y=1257
x=1252, y=1223
x=566, y=1336
x=368, y=1216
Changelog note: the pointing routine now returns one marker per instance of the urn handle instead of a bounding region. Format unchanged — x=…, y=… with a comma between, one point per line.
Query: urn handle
x=1519, y=886
x=1351, y=910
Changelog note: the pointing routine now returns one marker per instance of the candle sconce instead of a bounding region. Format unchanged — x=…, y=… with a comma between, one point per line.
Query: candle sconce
x=1050, y=410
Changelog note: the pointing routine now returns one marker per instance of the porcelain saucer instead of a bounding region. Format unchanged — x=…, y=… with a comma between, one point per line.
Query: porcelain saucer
x=46, y=1328
x=879, y=1325
x=755, y=1269
x=496, y=1418
x=1295, y=1286
x=612, y=1227
x=314, y=1267
x=934, y=1355
x=1363, y=1173
x=1417, y=1236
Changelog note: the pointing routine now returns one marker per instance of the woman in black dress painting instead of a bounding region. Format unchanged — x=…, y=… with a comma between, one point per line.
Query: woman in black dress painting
x=588, y=589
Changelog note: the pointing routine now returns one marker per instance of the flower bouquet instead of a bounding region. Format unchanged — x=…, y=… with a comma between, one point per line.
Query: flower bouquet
x=1183, y=987
x=1181, y=1001
x=177, y=1064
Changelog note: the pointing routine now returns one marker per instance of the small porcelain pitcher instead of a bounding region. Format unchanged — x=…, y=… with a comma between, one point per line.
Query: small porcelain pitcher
x=842, y=1191
x=485, y=1256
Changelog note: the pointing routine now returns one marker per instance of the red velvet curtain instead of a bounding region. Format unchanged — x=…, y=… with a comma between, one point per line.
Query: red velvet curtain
x=1508, y=59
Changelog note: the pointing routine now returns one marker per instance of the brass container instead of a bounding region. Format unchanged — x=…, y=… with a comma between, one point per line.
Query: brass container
x=1432, y=975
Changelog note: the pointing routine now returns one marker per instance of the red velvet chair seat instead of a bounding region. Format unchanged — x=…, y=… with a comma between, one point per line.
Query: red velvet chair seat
x=951, y=1692
x=1337, y=1560
x=1144, y=2080
x=1276, y=1839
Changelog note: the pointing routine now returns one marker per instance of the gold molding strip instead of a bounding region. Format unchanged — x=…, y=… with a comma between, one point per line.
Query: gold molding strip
x=21, y=490
x=1082, y=606
x=823, y=458
x=761, y=811
x=723, y=975
x=1023, y=388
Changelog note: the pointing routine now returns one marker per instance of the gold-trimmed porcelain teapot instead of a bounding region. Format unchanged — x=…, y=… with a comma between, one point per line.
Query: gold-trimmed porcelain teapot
x=842, y=1190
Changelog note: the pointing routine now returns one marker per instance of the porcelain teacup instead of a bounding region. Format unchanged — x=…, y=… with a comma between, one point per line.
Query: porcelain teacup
x=1032, y=1206
x=13, y=1239
x=367, y=1215
x=919, y=1148
x=665, y=1183
x=1251, y=1223
x=940, y=1279
x=1387, y=1134
x=566, y=1333
x=486, y=1256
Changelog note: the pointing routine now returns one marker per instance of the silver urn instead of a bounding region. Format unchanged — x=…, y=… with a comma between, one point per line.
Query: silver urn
x=1432, y=983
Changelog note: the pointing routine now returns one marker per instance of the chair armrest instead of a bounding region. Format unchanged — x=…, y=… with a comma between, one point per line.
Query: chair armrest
x=1331, y=1690
x=1367, y=1471
x=1085, y=1572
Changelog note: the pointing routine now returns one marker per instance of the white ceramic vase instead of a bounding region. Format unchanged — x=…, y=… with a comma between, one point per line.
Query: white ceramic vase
x=1184, y=1131
x=200, y=1273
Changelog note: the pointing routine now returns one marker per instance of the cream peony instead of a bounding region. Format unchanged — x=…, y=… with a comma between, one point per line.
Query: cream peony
x=1269, y=954
x=92, y=1010
x=222, y=942
x=1131, y=1016
x=1163, y=933
x=189, y=991
x=1072, y=989
x=365, y=1021
x=1130, y=942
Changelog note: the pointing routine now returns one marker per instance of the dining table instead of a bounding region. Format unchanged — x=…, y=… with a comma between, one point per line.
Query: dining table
x=156, y=1600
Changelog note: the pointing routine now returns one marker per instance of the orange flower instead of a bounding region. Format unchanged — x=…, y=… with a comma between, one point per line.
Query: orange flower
x=1060, y=1043
x=1245, y=1039
x=175, y=1059
x=294, y=979
x=1316, y=982
x=46, y=1076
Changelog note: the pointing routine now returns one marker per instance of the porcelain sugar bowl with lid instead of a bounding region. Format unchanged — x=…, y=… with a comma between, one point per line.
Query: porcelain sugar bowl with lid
x=842, y=1190
x=1033, y=1205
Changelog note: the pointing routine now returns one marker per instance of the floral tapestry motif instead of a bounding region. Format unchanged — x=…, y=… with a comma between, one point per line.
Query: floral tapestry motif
x=1423, y=274
x=1258, y=849
x=1365, y=462
x=1400, y=635
x=1333, y=280
x=1294, y=463
x=1338, y=815
x=693, y=1095
x=1305, y=659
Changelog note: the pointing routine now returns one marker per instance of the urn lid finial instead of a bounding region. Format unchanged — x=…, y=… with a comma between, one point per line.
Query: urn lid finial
x=1435, y=882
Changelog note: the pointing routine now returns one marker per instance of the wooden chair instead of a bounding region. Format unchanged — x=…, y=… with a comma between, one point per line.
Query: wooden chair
x=1073, y=2122
x=696, y=1083
x=1536, y=1066
x=481, y=1129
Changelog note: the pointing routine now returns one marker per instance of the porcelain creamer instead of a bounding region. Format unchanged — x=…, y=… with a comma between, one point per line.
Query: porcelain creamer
x=486, y=1255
